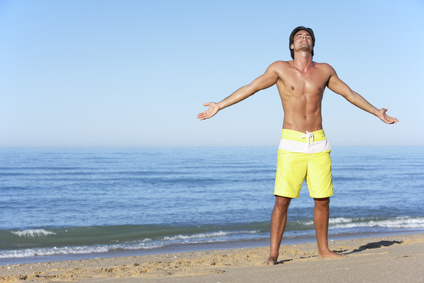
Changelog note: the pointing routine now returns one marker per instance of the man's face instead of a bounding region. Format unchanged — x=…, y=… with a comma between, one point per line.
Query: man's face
x=302, y=41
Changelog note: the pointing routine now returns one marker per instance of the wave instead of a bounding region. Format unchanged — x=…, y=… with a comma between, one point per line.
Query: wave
x=124, y=243
x=404, y=222
x=108, y=235
x=33, y=233
x=103, y=239
x=208, y=235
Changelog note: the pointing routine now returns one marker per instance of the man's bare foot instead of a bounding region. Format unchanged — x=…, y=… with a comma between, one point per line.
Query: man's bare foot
x=329, y=254
x=270, y=261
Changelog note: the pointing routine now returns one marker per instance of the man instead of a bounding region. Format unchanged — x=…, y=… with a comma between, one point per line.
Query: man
x=304, y=152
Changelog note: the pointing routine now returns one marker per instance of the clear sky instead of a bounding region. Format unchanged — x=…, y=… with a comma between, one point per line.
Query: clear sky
x=136, y=73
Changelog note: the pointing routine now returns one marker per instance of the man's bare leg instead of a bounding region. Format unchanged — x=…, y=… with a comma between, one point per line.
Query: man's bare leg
x=278, y=224
x=321, y=217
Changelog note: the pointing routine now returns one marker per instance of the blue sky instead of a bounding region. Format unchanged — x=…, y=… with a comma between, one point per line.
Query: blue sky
x=136, y=73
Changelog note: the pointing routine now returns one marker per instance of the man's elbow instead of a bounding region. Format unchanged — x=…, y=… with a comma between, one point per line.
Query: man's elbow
x=350, y=96
x=252, y=88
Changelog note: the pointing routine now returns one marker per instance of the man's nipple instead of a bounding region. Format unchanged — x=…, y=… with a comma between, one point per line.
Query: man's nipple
x=292, y=87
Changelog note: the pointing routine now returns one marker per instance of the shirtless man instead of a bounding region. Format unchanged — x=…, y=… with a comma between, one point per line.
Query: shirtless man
x=304, y=152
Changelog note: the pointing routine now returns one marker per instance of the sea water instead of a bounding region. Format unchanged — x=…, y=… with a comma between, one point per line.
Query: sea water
x=91, y=201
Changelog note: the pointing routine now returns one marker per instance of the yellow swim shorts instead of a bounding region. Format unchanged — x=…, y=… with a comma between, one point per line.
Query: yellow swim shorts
x=303, y=156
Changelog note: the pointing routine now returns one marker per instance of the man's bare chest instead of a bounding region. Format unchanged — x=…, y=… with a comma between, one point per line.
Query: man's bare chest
x=303, y=82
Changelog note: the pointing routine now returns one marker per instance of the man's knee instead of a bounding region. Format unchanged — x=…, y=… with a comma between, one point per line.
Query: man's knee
x=282, y=202
x=322, y=202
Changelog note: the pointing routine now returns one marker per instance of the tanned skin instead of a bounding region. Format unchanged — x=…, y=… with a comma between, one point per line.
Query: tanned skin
x=301, y=83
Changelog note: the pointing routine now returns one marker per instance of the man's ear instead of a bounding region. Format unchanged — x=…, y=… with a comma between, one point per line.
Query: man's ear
x=291, y=46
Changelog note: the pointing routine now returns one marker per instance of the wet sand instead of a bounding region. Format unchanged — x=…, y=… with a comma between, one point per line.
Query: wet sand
x=383, y=259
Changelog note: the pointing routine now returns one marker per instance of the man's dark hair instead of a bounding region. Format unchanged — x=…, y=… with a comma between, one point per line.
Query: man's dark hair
x=296, y=30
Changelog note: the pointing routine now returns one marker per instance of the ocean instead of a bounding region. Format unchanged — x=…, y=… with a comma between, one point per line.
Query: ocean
x=68, y=203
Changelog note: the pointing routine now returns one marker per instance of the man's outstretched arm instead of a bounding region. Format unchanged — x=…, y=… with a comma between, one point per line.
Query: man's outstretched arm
x=268, y=79
x=339, y=87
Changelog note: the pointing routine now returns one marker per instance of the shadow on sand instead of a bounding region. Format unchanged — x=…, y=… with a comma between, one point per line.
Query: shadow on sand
x=369, y=246
x=375, y=245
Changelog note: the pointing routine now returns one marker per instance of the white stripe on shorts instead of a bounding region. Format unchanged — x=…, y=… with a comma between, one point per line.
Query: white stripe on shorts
x=303, y=147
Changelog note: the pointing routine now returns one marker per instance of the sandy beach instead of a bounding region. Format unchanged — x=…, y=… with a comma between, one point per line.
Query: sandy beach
x=384, y=259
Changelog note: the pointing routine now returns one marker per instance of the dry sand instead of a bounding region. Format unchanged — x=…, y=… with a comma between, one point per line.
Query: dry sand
x=383, y=259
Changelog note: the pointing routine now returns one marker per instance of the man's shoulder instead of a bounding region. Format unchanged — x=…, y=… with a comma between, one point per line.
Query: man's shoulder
x=325, y=68
x=323, y=65
x=279, y=65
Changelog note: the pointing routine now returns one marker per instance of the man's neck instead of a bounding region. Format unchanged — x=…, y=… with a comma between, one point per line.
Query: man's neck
x=302, y=61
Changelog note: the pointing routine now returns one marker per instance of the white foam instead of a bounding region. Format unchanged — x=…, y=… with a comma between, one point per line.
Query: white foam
x=33, y=233
x=339, y=220
x=52, y=251
x=76, y=250
x=206, y=235
x=401, y=222
x=196, y=236
x=396, y=223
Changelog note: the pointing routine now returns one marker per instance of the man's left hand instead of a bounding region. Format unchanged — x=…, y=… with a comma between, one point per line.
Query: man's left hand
x=386, y=118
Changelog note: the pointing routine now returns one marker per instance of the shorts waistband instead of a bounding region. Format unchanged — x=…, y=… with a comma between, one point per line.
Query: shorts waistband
x=303, y=137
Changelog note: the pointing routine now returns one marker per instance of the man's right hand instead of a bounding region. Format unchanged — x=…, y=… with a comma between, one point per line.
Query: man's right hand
x=386, y=118
x=212, y=110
